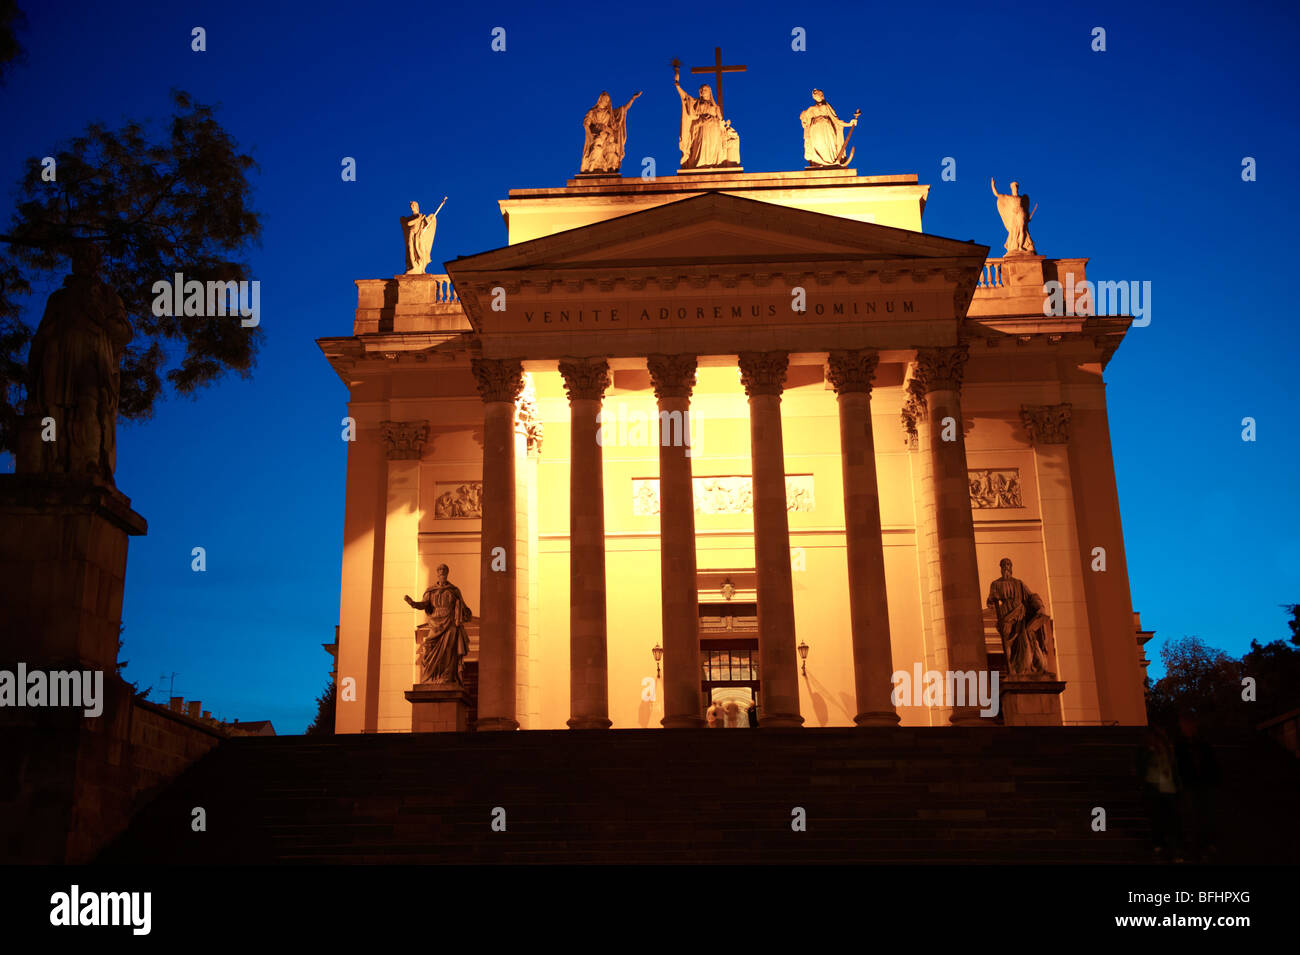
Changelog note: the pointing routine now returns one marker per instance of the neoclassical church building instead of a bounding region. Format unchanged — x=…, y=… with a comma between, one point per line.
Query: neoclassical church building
x=722, y=437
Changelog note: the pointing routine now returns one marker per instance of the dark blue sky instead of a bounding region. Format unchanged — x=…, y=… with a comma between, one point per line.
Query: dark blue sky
x=1133, y=155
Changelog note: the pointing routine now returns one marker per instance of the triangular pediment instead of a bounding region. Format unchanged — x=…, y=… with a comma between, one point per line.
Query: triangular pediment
x=715, y=229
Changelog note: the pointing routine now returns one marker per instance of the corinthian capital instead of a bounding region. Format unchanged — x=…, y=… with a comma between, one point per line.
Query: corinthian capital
x=673, y=376
x=404, y=440
x=1046, y=424
x=853, y=371
x=585, y=378
x=499, y=379
x=763, y=372
x=940, y=369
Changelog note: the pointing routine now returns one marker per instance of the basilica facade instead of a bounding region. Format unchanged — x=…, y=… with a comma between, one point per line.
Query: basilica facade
x=728, y=438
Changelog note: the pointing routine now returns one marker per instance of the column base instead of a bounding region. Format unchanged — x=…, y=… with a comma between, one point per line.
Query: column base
x=495, y=724
x=682, y=723
x=588, y=723
x=780, y=720
x=878, y=718
x=1031, y=701
x=439, y=708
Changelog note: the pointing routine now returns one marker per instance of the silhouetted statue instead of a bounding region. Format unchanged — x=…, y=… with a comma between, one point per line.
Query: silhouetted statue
x=74, y=376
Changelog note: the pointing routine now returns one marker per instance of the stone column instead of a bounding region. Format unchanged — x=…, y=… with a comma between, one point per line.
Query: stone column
x=404, y=443
x=939, y=374
x=851, y=374
x=585, y=381
x=674, y=378
x=499, y=383
x=1048, y=428
x=763, y=375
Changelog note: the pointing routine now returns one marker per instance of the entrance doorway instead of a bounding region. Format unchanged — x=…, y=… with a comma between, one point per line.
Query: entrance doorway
x=730, y=678
x=729, y=660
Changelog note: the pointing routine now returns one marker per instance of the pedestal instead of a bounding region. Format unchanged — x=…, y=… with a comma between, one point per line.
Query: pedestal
x=63, y=542
x=1031, y=701
x=439, y=708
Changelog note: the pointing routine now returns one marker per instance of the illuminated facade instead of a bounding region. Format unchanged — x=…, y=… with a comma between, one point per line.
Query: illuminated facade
x=876, y=417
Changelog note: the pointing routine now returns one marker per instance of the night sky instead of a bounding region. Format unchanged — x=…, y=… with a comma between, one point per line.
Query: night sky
x=1134, y=156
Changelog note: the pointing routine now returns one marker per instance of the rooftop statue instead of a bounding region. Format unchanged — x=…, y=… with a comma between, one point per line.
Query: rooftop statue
x=419, y=230
x=823, y=133
x=1015, y=212
x=606, y=135
x=703, y=139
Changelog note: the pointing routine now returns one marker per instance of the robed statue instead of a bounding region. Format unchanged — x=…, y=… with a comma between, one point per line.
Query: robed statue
x=823, y=133
x=444, y=643
x=1024, y=627
x=419, y=230
x=703, y=139
x=606, y=132
x=1015, y=212
x=74, y=375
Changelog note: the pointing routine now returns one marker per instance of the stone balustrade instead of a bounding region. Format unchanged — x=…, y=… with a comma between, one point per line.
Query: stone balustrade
x=408, y=303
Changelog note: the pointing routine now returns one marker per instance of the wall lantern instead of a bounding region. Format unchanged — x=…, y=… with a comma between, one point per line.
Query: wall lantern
x=803, y=655
x=658, y=652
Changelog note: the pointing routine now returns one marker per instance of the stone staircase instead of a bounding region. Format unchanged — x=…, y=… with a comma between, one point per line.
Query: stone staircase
x=936, y=795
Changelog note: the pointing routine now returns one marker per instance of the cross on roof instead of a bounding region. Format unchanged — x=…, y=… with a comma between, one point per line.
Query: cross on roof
x=718, y=69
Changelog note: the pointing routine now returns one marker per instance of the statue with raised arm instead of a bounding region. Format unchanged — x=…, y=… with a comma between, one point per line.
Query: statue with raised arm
x=703, y=139
x=444, y=642
x=418, y=230
x=1015, y=212
x=823, y=132
x=606, y=135
x=74, y=375
x=1024, y=627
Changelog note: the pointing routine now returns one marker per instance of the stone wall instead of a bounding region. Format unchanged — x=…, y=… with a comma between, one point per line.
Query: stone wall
x=76, y=781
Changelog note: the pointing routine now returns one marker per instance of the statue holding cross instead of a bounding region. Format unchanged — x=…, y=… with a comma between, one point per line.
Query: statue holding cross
x=707, y=140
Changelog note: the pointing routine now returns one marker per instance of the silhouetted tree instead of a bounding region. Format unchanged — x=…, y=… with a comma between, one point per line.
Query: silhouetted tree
x=11, y=51
x=1275, y=668
x=156, y=203
x=1208, y=682
x=1200, y=679
x=323, y=724
x=136, y=692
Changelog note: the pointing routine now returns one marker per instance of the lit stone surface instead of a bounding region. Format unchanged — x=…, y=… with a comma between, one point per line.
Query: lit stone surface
x=922, y=393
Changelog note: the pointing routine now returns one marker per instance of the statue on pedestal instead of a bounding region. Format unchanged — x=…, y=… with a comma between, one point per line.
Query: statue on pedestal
x=74, y=375
x=606, y=135
x=703, y=139
x=1015, y=212
x=418, y=230
x=823, y=133
x=1025, y=629
x=445, y=643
